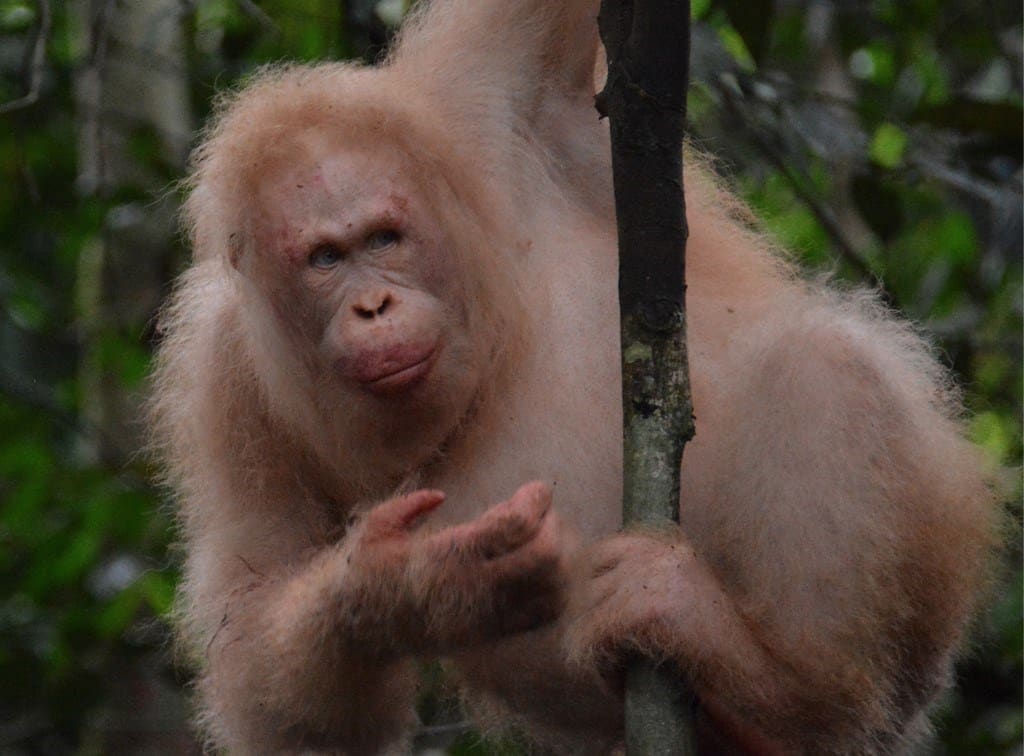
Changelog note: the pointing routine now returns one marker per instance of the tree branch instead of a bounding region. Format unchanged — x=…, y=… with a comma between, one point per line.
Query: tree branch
x=648, y=46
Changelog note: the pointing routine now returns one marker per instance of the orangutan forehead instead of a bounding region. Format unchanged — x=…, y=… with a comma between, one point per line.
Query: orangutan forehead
x=321, y=154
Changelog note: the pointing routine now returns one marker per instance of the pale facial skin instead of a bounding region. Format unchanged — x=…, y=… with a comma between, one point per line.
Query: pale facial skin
x=372, y=265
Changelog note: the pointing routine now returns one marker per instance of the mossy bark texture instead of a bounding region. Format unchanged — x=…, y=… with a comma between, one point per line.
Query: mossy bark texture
x=648, y=48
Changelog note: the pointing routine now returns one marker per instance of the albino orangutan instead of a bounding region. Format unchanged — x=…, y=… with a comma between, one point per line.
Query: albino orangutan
x=388, y=399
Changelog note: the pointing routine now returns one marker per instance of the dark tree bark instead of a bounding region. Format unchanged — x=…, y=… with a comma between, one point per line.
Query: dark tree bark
x=648, y=47
x=364, y=32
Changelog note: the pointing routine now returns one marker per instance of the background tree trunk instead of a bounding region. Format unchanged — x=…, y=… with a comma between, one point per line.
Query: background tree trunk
x=131, y=90
x=131, y=96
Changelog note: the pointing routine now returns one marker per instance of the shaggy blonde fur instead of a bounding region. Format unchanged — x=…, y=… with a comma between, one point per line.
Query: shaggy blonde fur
x=835, y=525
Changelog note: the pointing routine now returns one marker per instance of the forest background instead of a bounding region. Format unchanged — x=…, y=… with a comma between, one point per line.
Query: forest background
x=880, y=140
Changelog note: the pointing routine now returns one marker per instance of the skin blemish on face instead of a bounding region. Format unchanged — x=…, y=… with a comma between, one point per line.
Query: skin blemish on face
x=399, y=202
x=280, y=240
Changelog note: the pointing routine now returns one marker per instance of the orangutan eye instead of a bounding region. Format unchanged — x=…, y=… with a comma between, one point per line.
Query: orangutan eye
x=325, y=256
x=382, y=239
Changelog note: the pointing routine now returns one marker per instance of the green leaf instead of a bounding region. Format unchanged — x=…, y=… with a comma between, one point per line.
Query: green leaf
x=158, y=590
x=75, y=558
x=23, y=509
x=888, y=145
x=992, y=370
x=788, y=219
x=126, y=358
x=119, y=613
x=699, y=8
x=994, y=433
x=752, y=20
x=737, y=48
x=956, y=239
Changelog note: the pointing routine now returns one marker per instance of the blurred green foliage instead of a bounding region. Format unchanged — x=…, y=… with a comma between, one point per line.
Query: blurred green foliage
x=880, y=139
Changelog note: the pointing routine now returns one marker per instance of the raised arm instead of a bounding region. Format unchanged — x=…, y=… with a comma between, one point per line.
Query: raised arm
x=513, y=85
x=518, y=51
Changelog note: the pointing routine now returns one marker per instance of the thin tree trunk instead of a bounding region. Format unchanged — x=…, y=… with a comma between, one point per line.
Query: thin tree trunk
x=130, y=83
x=648, y=46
